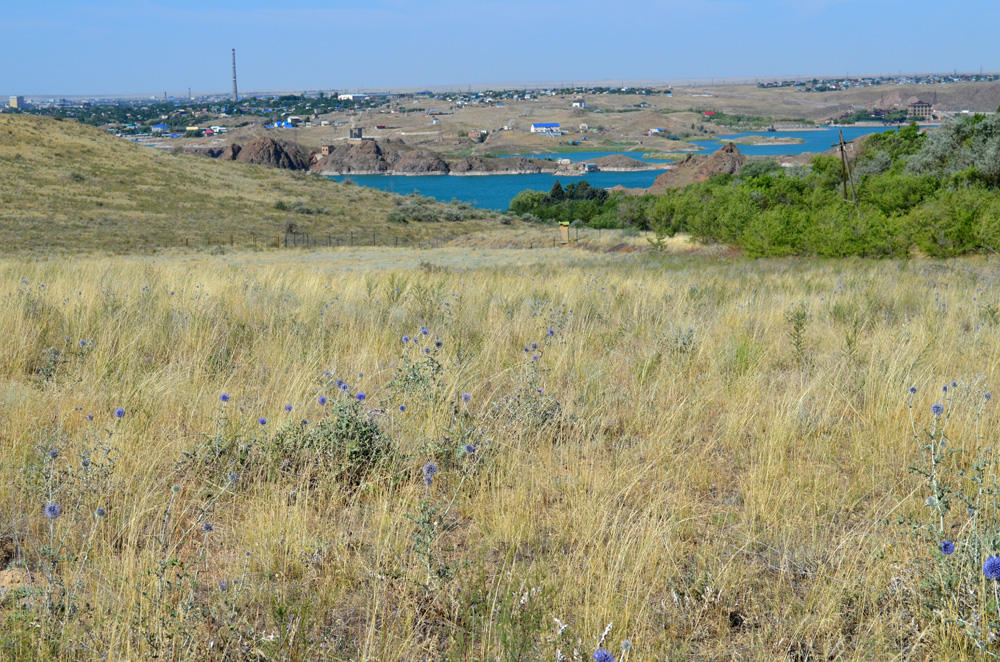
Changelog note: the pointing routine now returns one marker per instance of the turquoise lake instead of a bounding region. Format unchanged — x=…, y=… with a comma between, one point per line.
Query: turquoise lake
x=496, y=191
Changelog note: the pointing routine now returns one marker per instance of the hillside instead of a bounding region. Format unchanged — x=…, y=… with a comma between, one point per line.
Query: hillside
x=67, y=186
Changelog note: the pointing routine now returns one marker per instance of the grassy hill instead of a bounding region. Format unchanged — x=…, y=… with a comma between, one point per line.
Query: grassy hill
x=66, y=186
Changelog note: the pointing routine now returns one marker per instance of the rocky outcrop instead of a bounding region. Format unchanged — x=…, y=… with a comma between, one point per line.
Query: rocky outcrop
x=622, y=163
x=265, y=151
x=272, y=153
x=364, y=158
x=370, y=157
x=515, y=165
x=699, y=168
x=420, y=162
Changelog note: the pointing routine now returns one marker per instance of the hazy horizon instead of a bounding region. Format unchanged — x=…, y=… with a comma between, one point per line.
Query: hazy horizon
x=117, y=49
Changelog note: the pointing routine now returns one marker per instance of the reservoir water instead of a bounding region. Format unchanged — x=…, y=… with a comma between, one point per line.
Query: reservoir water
x=496, y=191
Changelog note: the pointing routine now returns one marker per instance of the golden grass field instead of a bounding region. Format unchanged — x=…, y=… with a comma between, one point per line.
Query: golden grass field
x=709, y=459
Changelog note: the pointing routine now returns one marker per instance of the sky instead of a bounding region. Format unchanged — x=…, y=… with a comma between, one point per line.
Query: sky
x=74, y=47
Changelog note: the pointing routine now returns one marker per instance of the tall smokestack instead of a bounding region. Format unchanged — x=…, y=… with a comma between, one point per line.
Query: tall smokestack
x=236, y=96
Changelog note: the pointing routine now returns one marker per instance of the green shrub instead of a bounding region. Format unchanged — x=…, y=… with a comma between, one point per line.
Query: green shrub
x=346, y=446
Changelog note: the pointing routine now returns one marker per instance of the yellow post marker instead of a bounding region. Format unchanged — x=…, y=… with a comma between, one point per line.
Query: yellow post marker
x=564, y=232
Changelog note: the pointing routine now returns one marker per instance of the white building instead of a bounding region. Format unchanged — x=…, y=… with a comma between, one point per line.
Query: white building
x=579, y=103
x=545, y=127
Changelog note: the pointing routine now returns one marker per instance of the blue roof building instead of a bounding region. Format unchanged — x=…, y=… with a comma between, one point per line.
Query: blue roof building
x=545, y=127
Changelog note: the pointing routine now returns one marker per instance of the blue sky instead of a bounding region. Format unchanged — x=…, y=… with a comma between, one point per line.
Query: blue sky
x=144, y=46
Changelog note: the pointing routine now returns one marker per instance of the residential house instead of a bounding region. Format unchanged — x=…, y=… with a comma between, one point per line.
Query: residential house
x=545, y=127
x=918, y=109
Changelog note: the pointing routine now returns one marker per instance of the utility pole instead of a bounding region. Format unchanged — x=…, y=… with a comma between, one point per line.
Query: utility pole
x=846, y=172
x=236, y=96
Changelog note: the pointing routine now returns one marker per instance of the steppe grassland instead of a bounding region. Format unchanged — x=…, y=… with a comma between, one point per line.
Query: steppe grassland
x=66, y=187
x=677, y=462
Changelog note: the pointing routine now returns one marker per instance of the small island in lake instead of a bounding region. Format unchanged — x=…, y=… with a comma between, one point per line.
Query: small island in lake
x=763, y=140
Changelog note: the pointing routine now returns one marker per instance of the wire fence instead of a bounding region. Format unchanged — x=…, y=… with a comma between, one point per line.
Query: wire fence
x=374, y=238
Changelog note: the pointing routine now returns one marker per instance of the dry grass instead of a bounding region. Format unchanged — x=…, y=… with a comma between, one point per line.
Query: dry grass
x=68, y=187
x=682, y=473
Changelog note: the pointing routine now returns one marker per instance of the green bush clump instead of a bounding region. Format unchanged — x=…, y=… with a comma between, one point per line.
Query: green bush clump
x=910, y=192
x=346, y=446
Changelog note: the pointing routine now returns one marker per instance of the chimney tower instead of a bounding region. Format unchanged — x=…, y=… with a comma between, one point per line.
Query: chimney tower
x=236, y=96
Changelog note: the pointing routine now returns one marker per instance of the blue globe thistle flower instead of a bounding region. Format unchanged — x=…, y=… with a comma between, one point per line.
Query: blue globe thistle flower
x=321, y=400
x=223, y=586
x=207, y=527
x=224, y=397
x=90, y=417
x=360, y=395
x=67, y=340
x=439, y=344
x=99, y=513
x=534, y=357
x=430, y=469
x=552, y=332
x=954, y=384
x=326, y=373
x=53, y=510
x=402, y=409
x=406, y=339
x=424, y=330
x=937, y=408
x=469, y=449
x=913, y=389
x=85, y=463
x=944, y=389
x=466, y=397
x=603, y=656
x=987, y=395
x=344, y=387
x=991, y=568
x=53, y=454
x=83, y=343
x=533, y=346
x=428, y=480
x=947, y=547
x=427, y=350
x=119, y=412
x=339, y=382
x=288, y=408
x=233, y=477
x=262, y=420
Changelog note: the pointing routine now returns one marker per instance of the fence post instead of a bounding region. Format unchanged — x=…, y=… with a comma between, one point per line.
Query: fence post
x=374, y=243
x=352, y=239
